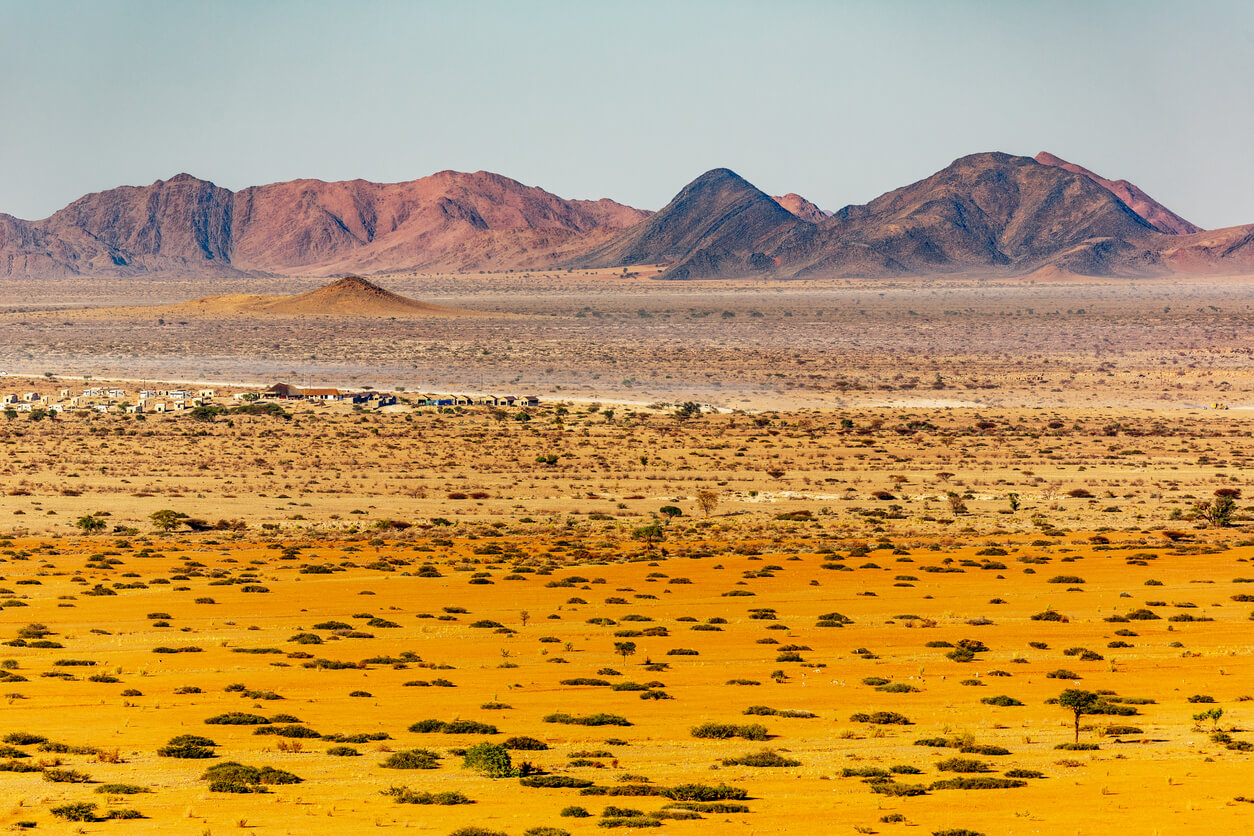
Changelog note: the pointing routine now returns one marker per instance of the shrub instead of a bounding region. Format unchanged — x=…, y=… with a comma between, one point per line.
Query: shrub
x=895, y=789
x=574, y=811
x=588, y=720
x=525, y=744
x=881, y=718
x=555, y=782
x=723, y=731
x=404, y=795
x=1024, y=773
x=1001, y=700
x=412, y=759
x=490, y=759
x=77, y=811
x=983, y=782
x=705, y=792
x=121, y=789
x=454, y=727
x=765, y=758
x=66, y=776
x=237, y=718
x=964, y=765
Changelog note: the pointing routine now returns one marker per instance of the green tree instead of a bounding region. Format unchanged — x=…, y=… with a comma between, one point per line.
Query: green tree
x=1014, y=501
x=650, y=534
x=89, y=523
x=670, y=512
x=1078, y=703
x=1219, y=511
x=686, y=410
x=625, y=649
x=166, y=520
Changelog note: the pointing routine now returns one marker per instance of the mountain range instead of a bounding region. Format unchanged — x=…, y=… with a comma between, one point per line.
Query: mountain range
x=987, y=213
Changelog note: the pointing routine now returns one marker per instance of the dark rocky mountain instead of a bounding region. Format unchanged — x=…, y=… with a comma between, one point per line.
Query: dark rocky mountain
x=719, y=224
x=989, y=211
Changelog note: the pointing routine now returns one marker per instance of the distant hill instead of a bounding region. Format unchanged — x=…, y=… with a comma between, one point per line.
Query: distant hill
x=1158, y=216
x=719, y=224
x=984, y=211
x=190, y=227
x=351, y=296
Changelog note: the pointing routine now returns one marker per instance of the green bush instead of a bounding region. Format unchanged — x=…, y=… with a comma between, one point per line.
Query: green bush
x=77, y=811
x=764, y=758
x=555, y=782
x=724, y=731
x=412, y=759
x=490, y=759
x=588, y=720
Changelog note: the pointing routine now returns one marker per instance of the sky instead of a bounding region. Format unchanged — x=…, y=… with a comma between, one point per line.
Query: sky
x=837, y=101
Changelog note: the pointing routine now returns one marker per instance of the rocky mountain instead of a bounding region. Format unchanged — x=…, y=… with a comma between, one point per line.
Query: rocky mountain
x=988, y=213
x=719, y=224
x=188, y=226
x=1158, y=216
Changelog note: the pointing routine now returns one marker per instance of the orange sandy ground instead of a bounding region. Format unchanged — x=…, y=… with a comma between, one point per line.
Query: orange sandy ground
x=1169, y=778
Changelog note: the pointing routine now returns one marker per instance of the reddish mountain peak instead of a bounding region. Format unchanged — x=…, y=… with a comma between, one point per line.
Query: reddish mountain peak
x=1158, y=216
x=801, y=207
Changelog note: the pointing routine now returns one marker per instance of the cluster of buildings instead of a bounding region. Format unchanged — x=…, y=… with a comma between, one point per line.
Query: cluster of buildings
x=145, y=400
x=286, y=391
x=109, y=399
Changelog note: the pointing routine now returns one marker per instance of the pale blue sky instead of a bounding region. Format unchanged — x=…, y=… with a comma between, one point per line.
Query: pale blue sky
x=839, y=101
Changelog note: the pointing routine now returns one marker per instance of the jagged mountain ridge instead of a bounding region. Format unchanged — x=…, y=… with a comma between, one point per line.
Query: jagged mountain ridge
x=185, y=225
x=990, y=213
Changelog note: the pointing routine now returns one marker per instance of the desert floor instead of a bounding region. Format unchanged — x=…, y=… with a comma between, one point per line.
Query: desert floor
x=736, y=345
x=928, y=562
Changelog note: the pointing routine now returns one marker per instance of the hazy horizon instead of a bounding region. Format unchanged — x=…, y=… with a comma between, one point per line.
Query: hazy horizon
x=838, y=102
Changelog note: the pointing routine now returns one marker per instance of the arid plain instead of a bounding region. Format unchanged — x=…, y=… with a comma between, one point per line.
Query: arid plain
x=922, y=510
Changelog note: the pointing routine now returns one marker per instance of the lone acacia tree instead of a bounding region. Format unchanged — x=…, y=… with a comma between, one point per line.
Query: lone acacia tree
x=624, y=649
x=1078, y=703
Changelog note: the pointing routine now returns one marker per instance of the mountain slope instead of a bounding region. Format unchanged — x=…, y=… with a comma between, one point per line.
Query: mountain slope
x=188, y=226
x=1158, y=216
x=719, y=224
x=984, y=211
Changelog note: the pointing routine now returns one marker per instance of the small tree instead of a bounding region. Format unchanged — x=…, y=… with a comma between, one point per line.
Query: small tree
x=624, y=649
x=1014, y=501
x=956, y=505
x=650, y=534
x=669, y=512
x=1214, y=715
x=686, y=410
x=89, y=524
x=1078, y=703
x=708, y=500
x=165, y=519
x=1219, y=511
x=524, y=617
